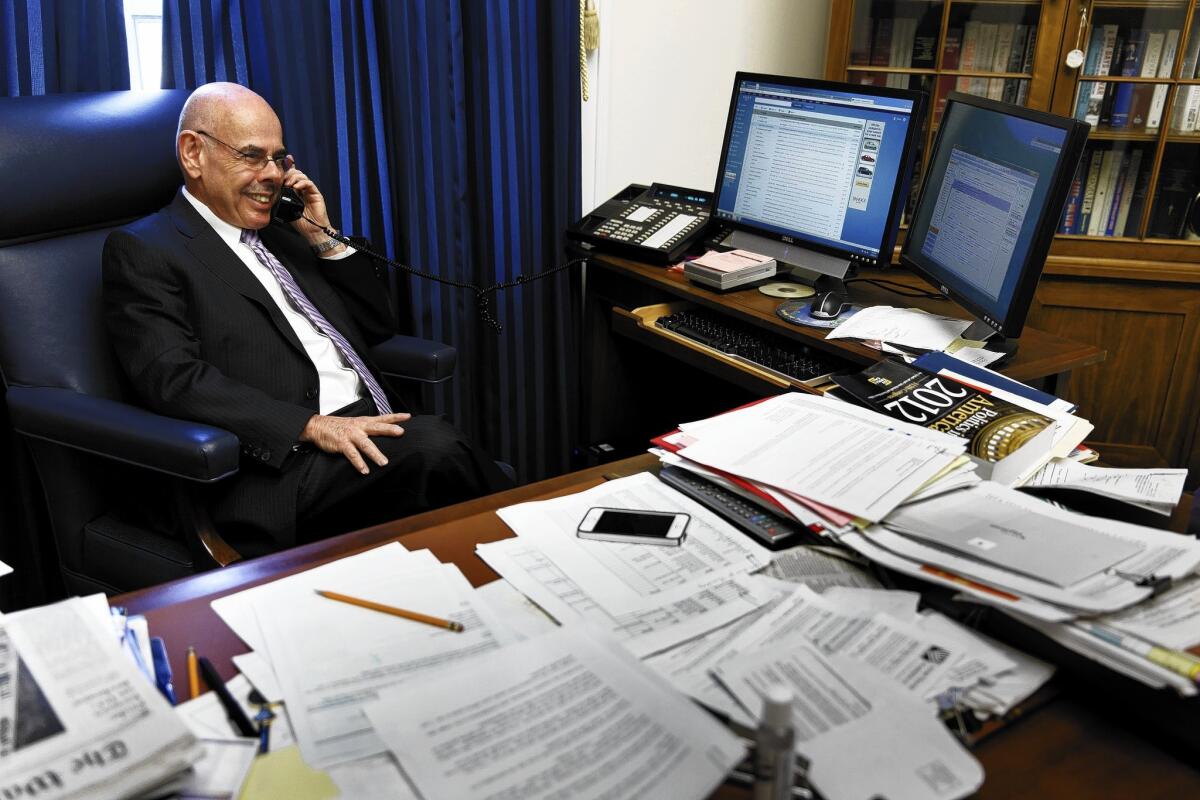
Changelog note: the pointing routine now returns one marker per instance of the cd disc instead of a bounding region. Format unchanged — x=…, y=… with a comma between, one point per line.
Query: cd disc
x=787, y=290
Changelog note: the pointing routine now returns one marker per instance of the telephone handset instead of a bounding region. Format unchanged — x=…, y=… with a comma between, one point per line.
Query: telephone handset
x=289, y=208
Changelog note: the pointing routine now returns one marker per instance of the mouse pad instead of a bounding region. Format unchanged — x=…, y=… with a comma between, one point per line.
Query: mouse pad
x=797, y=311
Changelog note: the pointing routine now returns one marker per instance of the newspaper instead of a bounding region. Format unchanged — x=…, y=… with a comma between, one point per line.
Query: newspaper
x=76, y=717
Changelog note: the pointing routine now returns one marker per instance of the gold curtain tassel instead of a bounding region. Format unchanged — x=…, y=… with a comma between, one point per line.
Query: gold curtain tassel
x=591, y=26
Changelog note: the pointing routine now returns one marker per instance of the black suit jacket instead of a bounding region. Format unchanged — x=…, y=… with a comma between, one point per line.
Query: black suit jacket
x=200, y=338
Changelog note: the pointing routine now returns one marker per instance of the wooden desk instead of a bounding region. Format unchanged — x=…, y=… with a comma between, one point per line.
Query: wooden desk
x=1064, y=749
x=639, y=383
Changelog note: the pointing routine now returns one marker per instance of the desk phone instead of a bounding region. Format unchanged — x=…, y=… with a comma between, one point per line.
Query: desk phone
x=655, y=224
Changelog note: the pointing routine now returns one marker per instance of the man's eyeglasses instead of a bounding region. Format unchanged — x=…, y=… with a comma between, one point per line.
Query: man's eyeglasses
x=254, y=159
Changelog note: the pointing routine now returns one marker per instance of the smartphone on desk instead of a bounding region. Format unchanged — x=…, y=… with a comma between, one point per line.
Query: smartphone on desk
x=634, y=527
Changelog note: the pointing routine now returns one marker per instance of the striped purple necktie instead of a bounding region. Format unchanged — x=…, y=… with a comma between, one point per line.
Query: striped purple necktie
x=305, y=307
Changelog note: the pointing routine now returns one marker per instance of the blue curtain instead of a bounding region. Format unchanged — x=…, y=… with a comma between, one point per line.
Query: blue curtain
x=46, y=47
x=52, y=46
x=447, y=133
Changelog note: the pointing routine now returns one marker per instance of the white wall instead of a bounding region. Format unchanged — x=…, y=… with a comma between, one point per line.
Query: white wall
x=661, y=80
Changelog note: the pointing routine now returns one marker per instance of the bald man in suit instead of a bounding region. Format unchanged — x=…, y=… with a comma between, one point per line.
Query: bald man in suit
x=222, y=316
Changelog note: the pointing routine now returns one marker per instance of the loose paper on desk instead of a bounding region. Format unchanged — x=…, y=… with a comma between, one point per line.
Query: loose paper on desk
x=984, y=523
x=916, y=660
x=813, y=449
x=909, y=327
x=332, y=657
x=999, y=694
x=77, y=719
x=565, y=714
x=818, y=570
x=1160, y=553
x=633, y=577
x=686, y=666
x=237, y=610
x=1155, y=489
x=863, y=735
x=676, y=616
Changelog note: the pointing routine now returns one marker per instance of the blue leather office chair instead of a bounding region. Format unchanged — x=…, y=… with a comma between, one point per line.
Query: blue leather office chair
x=72, y=168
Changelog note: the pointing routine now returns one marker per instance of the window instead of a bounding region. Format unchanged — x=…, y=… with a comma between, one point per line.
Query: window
x=143, y=32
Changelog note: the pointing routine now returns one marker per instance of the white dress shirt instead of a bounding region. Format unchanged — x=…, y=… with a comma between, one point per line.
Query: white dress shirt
x=339, y=385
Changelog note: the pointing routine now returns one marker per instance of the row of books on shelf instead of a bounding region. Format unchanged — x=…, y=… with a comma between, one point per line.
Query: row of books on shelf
x=1137, y=53
x=1108, y=193
x=989, y=47
x=897, y=42
x=1007, y=90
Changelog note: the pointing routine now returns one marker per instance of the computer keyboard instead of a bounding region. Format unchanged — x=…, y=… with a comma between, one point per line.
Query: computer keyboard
x=748, y=344
x=773, y=530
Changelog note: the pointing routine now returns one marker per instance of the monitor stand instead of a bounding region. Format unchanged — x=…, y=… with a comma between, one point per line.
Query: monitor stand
x=980, y=331
x=795, y=260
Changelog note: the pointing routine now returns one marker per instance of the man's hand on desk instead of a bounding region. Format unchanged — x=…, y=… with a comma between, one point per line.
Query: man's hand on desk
x=350, y=436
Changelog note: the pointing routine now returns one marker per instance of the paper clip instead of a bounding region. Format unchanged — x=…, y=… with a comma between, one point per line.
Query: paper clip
x=1156, y=583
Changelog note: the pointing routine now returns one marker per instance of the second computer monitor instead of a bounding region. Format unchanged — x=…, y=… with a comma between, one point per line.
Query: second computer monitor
x=815, y=173
x=995, y=185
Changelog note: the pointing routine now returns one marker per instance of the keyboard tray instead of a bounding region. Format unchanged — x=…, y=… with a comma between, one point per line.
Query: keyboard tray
x=647, y=318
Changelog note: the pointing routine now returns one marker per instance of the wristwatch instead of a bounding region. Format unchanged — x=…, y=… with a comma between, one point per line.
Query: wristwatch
x=325, y=246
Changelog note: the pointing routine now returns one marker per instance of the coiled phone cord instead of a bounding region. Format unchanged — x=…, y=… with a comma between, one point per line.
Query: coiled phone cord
x=483, y=294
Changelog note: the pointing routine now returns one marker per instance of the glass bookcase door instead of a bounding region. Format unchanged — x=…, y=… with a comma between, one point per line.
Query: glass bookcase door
x=1175, y=213
x=989, y=47
x=1138, y=88
x=899, y=35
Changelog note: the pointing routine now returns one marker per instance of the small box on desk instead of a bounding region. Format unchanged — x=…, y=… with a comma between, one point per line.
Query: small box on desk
x=728, y=270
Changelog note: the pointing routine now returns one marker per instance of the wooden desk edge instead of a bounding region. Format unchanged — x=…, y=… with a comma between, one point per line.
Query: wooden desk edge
x=1080, y=355
x=243, y=574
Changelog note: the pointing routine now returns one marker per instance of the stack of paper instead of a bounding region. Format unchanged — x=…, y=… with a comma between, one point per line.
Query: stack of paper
x=825, y=463
x=331, y=658
x=355, y=682
x=1010, y=430
x=77, y=719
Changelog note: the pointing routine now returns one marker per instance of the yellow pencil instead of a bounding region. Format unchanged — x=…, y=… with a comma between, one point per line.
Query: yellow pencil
x=415, y=616
x=193, y=673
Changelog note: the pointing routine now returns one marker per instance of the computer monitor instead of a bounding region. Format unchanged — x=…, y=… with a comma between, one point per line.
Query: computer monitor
x=995, y=184
x=815, y=173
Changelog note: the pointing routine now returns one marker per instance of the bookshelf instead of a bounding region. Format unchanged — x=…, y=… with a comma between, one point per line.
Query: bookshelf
x=1124, y=271
x=1138, y=84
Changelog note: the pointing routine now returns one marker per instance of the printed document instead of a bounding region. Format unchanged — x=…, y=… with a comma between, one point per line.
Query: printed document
x=817, y=570
x=985, y=523
x=77, y=718
x=332, y=657
x=686, y=666
x=919, y=661
x=1154, y=489
x=563, y=715
x=1160, y=553
x=632, y=577
x=863, y=736
x=816, y=451
x=675, y=617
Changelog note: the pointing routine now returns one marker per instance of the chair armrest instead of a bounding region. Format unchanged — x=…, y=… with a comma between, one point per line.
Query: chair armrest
x=415, y=359
x=123, y=432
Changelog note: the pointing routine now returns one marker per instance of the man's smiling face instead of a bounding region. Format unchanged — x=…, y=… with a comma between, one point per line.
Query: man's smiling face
x=239, y=192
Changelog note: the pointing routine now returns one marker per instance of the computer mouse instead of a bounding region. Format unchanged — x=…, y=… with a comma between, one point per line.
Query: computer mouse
x=829, y=305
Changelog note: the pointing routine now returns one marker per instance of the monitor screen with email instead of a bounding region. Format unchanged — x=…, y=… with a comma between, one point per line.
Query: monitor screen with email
x=813, y=168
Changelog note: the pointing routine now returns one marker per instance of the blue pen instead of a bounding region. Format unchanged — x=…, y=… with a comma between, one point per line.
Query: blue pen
x=162, y=668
